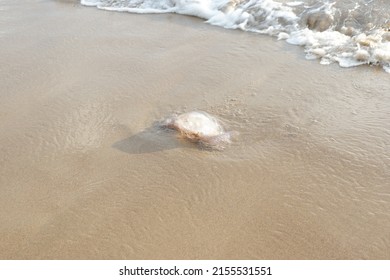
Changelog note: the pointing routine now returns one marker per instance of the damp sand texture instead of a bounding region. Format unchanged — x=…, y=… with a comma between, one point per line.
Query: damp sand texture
x=85, y=175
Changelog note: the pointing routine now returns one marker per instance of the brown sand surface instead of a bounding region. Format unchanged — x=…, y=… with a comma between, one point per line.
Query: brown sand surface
x=85, y=174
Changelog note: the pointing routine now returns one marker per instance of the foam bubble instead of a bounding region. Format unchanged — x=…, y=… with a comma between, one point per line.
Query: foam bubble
x=90, y=2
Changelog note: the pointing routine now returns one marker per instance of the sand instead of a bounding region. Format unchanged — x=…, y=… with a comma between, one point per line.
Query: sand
x=85, y=174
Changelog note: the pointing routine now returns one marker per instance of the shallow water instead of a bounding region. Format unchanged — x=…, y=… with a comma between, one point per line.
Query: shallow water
x=84, y=174
x=350, y=33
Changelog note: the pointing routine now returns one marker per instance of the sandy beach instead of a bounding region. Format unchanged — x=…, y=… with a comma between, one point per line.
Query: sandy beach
x=85, y=173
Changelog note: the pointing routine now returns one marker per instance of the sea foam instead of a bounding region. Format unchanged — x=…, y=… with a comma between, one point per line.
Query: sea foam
x=350, y=33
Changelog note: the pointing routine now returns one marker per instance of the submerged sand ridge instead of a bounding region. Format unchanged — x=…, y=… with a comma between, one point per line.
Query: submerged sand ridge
x=83, y=174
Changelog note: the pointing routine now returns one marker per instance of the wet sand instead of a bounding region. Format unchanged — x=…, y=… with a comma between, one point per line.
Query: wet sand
x=84, y=173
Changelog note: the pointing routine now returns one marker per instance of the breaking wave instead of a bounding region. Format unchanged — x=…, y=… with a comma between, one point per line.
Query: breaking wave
x=350, y=33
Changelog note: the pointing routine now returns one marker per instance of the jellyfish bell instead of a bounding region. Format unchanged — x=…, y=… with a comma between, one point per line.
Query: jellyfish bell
x=200, y=127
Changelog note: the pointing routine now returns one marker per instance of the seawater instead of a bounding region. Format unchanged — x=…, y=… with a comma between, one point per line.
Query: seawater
x=350, y=33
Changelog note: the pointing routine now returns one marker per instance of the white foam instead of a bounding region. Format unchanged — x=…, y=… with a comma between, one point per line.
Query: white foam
x=294, y=4
x=90, y=2
x=349, y=48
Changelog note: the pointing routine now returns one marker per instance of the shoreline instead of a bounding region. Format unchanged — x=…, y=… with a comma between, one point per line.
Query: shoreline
x=84, y=175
